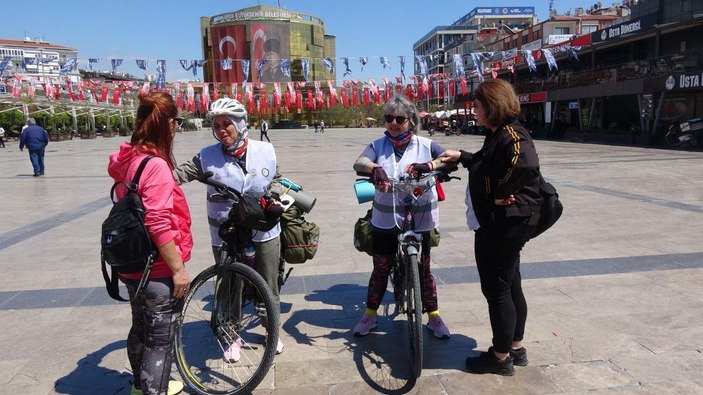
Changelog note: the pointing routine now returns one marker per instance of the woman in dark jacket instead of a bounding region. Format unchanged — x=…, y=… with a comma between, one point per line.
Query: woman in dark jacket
x=503, y=201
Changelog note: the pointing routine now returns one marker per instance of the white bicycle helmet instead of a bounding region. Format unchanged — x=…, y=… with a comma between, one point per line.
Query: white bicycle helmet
x=227, y=106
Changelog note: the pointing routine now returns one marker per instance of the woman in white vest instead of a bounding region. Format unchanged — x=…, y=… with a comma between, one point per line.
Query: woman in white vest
x=246, y=165
x=399, y=150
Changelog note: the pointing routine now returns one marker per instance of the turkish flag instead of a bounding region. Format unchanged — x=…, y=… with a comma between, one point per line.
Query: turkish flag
x=298, y=99
x=365, y=99
x=311, y=104
x=228, y=44
x=409, y=92
x=264, y=101
x=355, y=97
x=286, y=98
x=179, y=100
x=215, y=90
x=103, y=94
x=462, y=82
x=452, y=88
x=344, y=98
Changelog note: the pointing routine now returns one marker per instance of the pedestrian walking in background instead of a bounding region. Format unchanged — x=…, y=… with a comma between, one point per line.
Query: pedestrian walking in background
x=503, y=205
x=264, y=127
x=322, y=126
x=35, y=138
x=2, y=137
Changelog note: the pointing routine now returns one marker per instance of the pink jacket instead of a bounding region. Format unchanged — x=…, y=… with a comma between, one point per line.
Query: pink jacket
x=167, y=215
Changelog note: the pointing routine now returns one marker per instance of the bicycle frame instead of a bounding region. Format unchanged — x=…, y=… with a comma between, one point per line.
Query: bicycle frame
x=407, y=268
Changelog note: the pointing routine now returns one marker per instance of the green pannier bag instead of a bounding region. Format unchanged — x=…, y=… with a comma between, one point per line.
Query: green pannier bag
x=299, y=238
x=363, y=241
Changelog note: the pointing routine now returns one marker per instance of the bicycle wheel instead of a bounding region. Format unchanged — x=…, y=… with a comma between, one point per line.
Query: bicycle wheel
x=210, y=323
x=413, y=310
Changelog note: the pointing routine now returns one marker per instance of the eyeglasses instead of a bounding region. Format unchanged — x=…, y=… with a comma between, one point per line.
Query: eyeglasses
x=398, y=118
x=179, y=120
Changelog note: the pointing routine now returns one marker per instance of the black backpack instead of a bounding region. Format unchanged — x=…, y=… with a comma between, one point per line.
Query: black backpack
x=125, y=242
x=551, y=207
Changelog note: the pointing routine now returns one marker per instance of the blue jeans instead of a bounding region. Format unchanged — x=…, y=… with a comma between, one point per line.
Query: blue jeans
x=36, y=156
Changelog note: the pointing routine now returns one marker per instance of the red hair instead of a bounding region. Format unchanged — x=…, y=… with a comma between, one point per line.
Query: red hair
x=152, y=130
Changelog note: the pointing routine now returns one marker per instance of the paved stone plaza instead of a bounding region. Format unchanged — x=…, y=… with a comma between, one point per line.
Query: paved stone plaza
x=614, y=289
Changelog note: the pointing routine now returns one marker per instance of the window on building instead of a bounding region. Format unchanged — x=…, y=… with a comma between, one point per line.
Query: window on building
x=561, y=30
x=588, y=28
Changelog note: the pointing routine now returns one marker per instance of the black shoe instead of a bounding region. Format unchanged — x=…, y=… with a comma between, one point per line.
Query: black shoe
x=36, y=175
x=519, y=356
x=41, y=173
x=486, y=362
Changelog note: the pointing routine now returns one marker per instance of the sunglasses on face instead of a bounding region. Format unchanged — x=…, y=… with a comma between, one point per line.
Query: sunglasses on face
x=398, y=118
x=179, y=120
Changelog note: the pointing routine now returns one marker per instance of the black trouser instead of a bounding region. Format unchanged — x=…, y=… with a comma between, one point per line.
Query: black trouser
x=155, y=316
x=385, y=246
x=265, y=134
x=497, y=251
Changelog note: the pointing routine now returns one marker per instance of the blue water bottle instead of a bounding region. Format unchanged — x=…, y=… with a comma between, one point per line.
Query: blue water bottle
x=250, y=256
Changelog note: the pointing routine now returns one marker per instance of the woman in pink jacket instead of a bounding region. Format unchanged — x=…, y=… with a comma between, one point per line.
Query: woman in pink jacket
x=156, y=308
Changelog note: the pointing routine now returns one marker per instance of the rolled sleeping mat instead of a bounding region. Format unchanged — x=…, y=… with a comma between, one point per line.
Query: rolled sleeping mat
x=303, y=201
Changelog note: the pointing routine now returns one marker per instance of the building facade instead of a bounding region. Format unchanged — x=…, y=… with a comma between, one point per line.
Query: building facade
x=638, y=74
x=35, y=58
x=465, y=32
x=258, y=44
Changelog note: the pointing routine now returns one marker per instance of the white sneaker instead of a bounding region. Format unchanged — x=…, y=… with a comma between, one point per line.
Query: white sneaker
x=279, y=347
x=234, y=352
x=365, y=325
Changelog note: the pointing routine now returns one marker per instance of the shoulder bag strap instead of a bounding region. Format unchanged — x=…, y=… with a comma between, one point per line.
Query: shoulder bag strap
x=140, y=169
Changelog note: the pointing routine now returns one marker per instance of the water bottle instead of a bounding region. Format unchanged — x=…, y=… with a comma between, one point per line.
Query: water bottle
x=249, y=256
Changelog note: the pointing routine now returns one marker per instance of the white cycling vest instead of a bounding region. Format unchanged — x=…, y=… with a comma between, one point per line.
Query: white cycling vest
x=261, y=168
x=388, y=207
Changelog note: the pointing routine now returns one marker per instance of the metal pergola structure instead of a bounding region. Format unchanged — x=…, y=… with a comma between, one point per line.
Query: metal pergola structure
x=73, y=108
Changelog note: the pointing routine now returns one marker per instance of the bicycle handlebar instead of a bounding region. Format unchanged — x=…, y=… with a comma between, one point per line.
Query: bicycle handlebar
x=225, y=190
x=442, y=174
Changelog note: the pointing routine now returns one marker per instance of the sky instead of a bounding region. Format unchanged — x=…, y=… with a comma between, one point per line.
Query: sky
x=170, y=29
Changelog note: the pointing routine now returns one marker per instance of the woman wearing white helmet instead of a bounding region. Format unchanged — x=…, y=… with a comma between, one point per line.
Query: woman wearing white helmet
x=246, y=165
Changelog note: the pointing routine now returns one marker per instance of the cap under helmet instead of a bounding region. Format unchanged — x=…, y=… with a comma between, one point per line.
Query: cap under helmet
x=227, y=106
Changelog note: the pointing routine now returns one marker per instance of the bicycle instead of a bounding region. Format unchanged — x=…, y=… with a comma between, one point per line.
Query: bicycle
x=227, y=303
x=407, y=268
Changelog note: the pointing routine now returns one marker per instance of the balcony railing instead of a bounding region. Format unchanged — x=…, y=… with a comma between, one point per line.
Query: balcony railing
x=664, y=65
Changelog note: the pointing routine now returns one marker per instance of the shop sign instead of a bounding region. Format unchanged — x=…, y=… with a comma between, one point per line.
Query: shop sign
x=684, y=81
x=535, y=97
x=631, y=26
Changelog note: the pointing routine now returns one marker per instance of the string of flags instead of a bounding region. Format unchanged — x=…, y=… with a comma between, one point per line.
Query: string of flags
x=258, y=99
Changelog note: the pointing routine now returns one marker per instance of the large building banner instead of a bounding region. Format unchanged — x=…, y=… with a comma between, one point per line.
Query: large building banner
x=269, y=44
x=229, y=46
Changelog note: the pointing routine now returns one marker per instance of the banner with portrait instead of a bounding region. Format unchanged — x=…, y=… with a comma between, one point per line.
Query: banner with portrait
x=270, y=43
